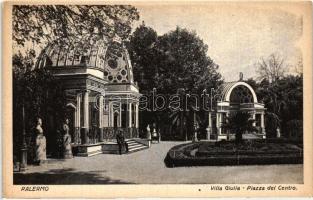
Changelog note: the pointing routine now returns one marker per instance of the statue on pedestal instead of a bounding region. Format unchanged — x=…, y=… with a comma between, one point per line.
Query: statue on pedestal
x=67, y=153
x=195, y=132
x=41, y=155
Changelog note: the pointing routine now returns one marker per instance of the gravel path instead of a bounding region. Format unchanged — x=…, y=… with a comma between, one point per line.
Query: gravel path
x=147, y=166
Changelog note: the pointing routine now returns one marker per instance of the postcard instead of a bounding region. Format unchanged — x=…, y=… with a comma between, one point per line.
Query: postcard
x=125, y=99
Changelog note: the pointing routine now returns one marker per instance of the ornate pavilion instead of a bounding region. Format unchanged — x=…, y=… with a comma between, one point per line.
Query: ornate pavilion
x=100, y=91
x=233, y=97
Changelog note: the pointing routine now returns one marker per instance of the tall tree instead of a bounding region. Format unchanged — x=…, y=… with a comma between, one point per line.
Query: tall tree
x=273, y=68
x=143, y=55
x=183, y=63
x=174, y=61
x=283, y=100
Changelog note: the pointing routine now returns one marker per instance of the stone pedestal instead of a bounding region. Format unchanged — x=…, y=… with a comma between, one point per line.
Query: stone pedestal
x=84, y=135
x=41, y=155
x=88, y=150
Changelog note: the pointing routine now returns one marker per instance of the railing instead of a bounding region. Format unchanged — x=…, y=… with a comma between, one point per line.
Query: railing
x=109, y=133
x=96, y=135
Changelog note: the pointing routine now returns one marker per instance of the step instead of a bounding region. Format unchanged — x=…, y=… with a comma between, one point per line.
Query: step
x=135, y=145
x=137, y=149
x=131, y=142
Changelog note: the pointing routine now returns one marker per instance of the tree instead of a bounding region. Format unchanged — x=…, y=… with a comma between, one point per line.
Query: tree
x=171, y=62
x=71, y=24
x=273, y=68
x=239, y=122
x=143, y=55
x=283, y=100
x=183, y=63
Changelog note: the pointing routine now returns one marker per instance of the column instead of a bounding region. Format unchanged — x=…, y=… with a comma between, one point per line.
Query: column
x=209, y=129
x=111, y=117
x=101, y=118
x=85, y=128
x=218, y=123
x=120, y=116
x=77, y=120
x=262, y=125
x=130, y=115
x=137, y=114
x=253, y=117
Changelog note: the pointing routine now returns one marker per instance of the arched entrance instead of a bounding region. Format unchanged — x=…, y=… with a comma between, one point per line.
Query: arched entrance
x=234, y=97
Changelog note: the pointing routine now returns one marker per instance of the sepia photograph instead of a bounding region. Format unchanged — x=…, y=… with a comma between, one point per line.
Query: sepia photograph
x=140, y=93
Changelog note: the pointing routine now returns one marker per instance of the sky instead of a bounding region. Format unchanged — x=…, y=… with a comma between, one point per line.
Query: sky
x=237, y=35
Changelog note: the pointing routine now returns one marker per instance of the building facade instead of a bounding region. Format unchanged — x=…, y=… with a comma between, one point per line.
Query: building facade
x=101, y=95
x=233, y=97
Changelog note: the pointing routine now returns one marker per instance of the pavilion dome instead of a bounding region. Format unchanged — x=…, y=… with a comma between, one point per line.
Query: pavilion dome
x=237, y=92
x=112, y=59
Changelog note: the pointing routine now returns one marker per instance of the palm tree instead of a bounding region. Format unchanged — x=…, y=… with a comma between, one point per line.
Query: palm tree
x=240, y=122
x=184, y=119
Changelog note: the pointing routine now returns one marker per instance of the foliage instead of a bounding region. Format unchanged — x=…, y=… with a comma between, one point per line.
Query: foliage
x=284, y=98
x=143, y=55
x=272, y=121
x=230, y=153
x=41, y=95
x=184, y=63
x=294, y=128
x=273, y=68
x=69, y=24
x=174, y=61
x=239, y=122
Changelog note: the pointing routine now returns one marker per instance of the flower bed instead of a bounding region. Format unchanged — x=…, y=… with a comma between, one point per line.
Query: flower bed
x=229, y=153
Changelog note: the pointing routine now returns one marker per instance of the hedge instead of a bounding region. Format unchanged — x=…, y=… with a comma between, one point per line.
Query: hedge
x=180, y=155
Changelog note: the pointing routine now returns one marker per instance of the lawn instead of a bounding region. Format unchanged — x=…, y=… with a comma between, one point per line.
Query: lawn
x=249, y=152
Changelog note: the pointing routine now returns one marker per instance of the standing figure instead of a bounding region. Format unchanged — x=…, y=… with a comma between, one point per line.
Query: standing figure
x=41, y=155
x=148, y=135
x=67, y=153
x=154, y=132
x=278, y=132
x=123, y=142
x=159, y=135
x=119, y=141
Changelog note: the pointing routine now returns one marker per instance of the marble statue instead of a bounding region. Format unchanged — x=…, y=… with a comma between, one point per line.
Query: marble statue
x=67, y=153
x=195, y=132
x=41, y=155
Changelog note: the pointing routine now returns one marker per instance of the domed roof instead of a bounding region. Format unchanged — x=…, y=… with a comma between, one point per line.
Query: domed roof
x=112, y=59
x=236, y=91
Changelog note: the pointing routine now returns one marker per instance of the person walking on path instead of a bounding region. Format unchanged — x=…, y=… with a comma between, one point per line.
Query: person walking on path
x=124, y=143
x=149, y=135
x=119, y=141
